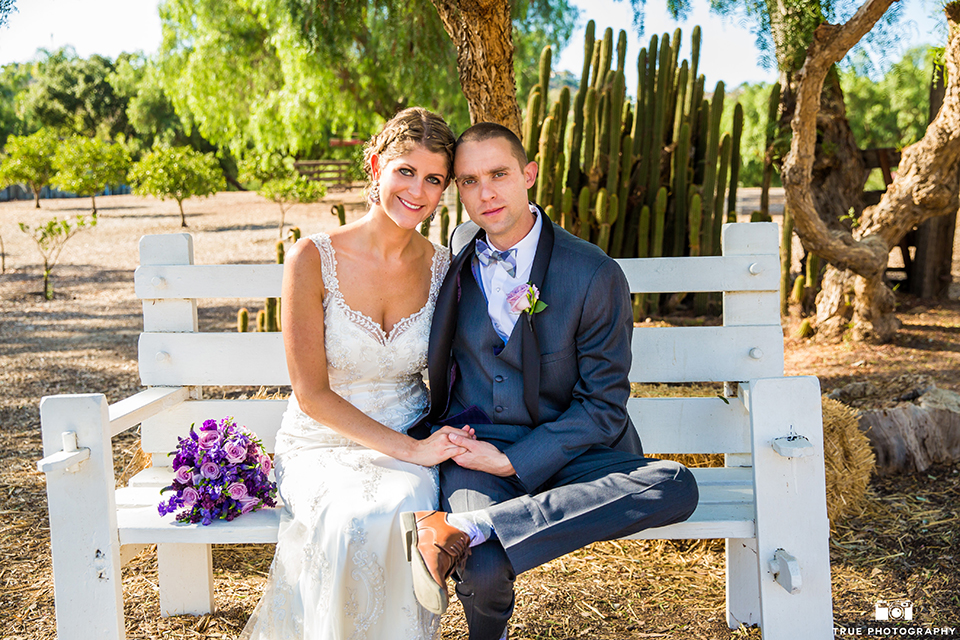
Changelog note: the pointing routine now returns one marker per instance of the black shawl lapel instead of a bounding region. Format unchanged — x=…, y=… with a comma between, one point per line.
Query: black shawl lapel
x=531, y=345
x=442, y=331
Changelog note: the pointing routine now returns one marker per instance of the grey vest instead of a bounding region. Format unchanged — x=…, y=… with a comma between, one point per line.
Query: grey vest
x=489, y=373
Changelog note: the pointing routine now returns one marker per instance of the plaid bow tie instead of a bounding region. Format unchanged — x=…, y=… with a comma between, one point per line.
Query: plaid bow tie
x=507, y=259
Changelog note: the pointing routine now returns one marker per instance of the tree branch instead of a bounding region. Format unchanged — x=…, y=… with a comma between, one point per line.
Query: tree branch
x=830, y=43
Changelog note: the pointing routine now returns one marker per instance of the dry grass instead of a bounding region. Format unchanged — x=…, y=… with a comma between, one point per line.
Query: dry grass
x=902, y=543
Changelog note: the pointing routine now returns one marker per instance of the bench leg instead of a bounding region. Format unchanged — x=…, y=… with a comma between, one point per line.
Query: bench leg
x=84, y=541
x=186, y=579
x=792, y=528
x=743, y=590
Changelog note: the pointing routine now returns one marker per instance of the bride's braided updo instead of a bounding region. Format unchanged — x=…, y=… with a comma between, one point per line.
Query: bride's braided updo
x=409, y=128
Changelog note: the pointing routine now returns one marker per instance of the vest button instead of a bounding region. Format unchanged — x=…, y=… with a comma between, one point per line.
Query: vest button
x=499, y=378
x=499, y=409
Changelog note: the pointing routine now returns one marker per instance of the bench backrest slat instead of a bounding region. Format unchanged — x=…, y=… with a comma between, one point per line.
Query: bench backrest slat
x=648, y=275
x=660, y=354
x=666, y=425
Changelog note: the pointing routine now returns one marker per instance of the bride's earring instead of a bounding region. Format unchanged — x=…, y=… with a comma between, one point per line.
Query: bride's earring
x=434, y=214
x=374, y=194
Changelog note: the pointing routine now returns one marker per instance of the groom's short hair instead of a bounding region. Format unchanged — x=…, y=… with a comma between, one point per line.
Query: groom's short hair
x=488, y=130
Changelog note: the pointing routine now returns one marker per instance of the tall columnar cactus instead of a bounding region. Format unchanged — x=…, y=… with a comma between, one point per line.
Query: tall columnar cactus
x=735, y=162
x=786, y=258
x=583, y=209
x=656, y=152
x=444, y=225
x=281, y=252
x=261, y=320
x=341, y=213
x=243, y=320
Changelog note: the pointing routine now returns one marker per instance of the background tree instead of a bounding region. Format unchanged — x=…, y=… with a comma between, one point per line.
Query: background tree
x=29, y=161
x=178, y=173
x=73, y=95
x=926, y=185
x=291, y=190
x=50, y=239
x=6, y=8
x=85, y=166
x=14, y=79
x=310, y=70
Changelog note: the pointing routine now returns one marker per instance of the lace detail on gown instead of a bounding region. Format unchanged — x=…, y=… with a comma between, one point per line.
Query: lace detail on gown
x=339, y=572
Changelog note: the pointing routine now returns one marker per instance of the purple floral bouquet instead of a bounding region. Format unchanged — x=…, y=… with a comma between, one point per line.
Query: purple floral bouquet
x=220, y=473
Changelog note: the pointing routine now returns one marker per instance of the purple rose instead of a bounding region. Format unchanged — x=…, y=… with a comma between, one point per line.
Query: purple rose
x=209, y=440
x=519, y=298
x=184, y=475
x=210, y=470
x=248, y=504
x=265, y=464
x=236, y=452
x=237, y=490
x=209, y=425
x=190, y=497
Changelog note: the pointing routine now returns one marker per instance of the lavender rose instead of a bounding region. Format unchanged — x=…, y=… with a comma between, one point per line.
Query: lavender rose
x=209, y=440
x=519, y=298
x=184, y=475
x=190, y=497
x=210, y=470
x=265, y=464
x=248, y=504
x=236, y=451
x=237, y=490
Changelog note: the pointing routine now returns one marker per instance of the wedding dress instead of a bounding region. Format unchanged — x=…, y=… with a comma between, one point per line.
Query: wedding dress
x=339, y=571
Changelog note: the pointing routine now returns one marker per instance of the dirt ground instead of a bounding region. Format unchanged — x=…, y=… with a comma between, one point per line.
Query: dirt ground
x=903, y=546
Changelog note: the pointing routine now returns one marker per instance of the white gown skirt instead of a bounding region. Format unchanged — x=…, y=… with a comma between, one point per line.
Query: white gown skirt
x=340, y=571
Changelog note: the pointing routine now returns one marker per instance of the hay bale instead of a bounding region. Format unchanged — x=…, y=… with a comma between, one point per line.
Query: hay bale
x=848, y=459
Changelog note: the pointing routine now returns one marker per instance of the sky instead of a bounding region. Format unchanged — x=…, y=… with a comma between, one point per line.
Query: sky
x=728, y=52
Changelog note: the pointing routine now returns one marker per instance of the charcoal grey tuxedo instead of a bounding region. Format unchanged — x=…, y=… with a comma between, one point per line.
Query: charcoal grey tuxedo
x=553, y=399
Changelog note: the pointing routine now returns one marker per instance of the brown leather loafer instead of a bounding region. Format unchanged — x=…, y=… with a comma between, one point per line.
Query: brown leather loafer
x=434, y=549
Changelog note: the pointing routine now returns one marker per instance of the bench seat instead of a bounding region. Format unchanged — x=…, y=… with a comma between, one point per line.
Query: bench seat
x=725, y=511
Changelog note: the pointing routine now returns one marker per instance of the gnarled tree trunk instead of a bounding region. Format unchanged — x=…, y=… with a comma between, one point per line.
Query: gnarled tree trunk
x=483, y=33
x=926, y=186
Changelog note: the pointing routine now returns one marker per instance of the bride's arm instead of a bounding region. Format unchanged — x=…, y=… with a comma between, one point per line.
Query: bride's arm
x=303, y=341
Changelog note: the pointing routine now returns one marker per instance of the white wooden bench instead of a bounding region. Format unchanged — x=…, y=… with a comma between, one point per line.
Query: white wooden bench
x=768, y=502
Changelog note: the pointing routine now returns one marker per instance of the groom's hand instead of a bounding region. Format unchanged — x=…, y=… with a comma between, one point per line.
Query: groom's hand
x=482, y=456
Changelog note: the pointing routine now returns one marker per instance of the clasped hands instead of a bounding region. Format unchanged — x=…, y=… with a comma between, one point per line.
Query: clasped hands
x=461, y=446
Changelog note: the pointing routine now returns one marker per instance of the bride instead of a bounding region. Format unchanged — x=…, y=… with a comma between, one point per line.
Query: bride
x=357, y=306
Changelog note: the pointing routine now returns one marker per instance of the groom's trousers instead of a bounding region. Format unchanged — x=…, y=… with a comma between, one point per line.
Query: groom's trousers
x=602, y=494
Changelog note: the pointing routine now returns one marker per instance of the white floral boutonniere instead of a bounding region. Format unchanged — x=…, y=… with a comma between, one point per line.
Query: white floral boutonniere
x=526, y=297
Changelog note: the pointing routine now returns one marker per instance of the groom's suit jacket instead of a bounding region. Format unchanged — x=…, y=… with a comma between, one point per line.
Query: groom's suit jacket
x=559, y=385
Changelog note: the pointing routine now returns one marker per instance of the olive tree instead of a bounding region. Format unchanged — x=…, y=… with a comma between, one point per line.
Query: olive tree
x=50, y=238
x=178, y=173
x=85, y=166
x=29, y=161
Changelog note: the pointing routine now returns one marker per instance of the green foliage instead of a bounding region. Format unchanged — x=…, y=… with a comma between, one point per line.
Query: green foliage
x=288, y=75
x=50, y=238
x=149, y=111
x=6, y=8
x=291, y=190
x=178, y=173
x=29, y=161
x=891, y=111
x=14, y=79
x=753, y=98
x=87, y=165
x=72, y=95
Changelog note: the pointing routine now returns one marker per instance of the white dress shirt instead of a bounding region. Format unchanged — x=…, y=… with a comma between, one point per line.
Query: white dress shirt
x=497, y=283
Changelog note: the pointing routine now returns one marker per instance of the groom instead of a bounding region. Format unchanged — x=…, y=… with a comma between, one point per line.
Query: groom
x=556, y=463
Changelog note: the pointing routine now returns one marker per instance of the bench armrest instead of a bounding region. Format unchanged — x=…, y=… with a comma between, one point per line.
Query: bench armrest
x=135, y=409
